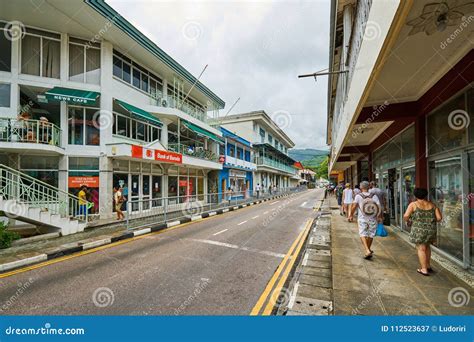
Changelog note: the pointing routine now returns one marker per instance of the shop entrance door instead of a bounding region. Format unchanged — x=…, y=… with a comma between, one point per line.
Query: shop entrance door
x=135, y=191
x=394, y=195
x=146, y=196
x=407, y=187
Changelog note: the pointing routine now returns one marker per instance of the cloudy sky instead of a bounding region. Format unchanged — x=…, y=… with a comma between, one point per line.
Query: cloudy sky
x=255, y=50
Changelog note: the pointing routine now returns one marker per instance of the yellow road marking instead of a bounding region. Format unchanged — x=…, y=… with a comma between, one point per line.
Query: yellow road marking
x=263, y=297
x=271, y=303
x=110, y=245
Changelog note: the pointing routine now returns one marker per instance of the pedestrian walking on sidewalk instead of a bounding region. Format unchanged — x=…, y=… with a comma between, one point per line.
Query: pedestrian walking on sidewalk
x=422, y=215
x=368, y=215
x=339, y=192
x=257, y=189
x=348, y=196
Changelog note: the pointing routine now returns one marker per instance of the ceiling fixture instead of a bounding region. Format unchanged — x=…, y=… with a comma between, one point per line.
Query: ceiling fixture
x=437, y=16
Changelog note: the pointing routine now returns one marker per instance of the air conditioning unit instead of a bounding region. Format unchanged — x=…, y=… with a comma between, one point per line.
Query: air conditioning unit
x=164, y=103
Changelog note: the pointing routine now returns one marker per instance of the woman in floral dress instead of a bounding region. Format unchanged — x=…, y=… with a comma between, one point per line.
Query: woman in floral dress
x=423, y=215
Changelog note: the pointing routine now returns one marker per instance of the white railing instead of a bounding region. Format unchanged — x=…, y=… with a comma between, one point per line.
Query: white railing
x=31, y=192
x=164, y=209
x=29, y=131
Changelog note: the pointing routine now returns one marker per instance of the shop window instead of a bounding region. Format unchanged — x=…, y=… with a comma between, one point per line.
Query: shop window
x=172, y=186
x=5, y=51
x=85, y=171
x=84, y=61
x=137, y=76
x=446, y=192
x=408, y=147
x=40, y=53
x=4, y=95
x=43, y=168
x=129, y=127
x=156, y=192
x=470, y=110
x=84, y=126
x=200, y=188
x=247, y=156
x=443, y=130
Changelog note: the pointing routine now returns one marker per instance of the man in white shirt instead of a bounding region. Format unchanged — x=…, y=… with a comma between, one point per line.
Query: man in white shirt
x=368, y=215
x=257, y=189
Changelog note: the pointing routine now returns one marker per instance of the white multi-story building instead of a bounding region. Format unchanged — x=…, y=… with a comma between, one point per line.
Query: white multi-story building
x=270, y=144
x=87, y=99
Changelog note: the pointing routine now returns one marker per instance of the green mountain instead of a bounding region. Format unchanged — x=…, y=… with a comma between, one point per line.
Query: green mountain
x=307, y=154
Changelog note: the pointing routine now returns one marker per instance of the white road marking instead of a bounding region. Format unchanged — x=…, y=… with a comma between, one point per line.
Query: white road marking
x=253, y=218
x=265, y=213
x=293, y=295
x=274, y=202
x=247, y=249
x=222, y=231
x=242, y=223
x=304, y=203
x=305, y=259
x=217, y=243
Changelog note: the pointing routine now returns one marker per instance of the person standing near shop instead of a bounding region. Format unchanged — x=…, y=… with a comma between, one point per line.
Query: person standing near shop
x=380, y=194
x=348, y=196
x=118, y=200
x=257, y=189
x=125, y=197
x=422, y=215
x=368, y=215
x=82, y=194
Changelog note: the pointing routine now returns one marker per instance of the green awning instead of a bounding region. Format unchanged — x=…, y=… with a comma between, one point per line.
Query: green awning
x=140, y=113
x=202, y=132
x=74, y=96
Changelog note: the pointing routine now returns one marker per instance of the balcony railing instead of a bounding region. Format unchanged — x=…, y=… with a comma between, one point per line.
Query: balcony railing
x=240, y=162
x=193, y=151
x=265, y=161
x=186, y=108
x=30, y=131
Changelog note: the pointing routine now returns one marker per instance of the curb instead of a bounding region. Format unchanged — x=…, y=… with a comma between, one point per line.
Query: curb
x=82, y=246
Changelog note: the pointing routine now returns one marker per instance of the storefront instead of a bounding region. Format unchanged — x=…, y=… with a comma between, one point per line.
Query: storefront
x=85, y=171
x=450, y=166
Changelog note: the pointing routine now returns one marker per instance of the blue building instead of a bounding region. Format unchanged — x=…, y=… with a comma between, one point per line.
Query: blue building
x=237, y=173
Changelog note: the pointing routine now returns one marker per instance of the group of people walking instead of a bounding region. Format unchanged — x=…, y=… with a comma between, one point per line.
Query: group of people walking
x=369, y=204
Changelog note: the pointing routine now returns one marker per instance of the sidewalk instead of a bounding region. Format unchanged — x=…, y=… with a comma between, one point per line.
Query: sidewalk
x=389, y=284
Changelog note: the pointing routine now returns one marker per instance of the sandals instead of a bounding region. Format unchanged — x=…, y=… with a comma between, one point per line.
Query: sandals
x=368, y=256
x=430, y=270
x=423, y=273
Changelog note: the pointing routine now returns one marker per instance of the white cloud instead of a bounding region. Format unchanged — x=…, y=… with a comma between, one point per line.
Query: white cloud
x=255, y=51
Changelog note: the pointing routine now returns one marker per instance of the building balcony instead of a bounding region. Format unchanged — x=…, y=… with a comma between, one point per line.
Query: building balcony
x=267, y=162
x=232, y=161
x=194, y=151
x=40, y=135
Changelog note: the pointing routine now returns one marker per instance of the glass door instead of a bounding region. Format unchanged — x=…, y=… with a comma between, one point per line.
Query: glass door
x=469, y=205
x=407, y=187
x=446, y=184
x=135, y=192
x=146, y=192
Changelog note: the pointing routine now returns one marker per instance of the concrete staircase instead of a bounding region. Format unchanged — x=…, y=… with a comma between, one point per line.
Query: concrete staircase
x=30, y=200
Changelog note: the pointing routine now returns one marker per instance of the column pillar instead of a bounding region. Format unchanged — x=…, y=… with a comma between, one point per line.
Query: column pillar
x=164, y=135
x=105, y=187
x=421, y=169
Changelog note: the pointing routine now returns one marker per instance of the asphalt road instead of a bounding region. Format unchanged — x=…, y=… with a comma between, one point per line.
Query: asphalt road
x=215, y=266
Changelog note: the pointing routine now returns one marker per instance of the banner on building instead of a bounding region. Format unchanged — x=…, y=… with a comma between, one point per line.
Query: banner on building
x=158, y=155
